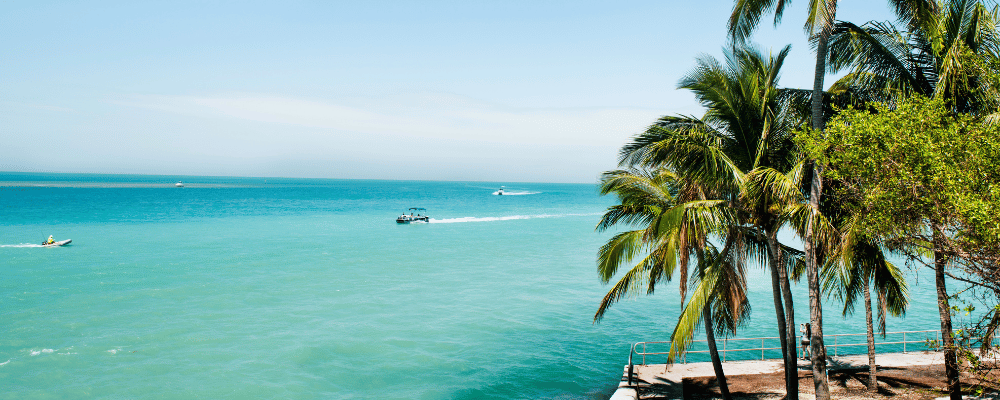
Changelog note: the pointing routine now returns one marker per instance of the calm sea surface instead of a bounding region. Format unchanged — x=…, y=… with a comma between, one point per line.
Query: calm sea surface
x=235, y=288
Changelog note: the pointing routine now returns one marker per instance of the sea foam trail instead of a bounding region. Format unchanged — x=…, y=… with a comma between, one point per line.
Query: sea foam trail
x=22, y=245
x=508, y=218
x=475, y=219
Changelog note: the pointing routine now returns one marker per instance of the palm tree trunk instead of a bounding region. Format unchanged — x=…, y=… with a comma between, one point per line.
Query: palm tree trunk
x=872, y=377
x=786, y=292
x=783, y=310
x=780, y=314
x=817, y=351
x=720, y=376
x=944, y=309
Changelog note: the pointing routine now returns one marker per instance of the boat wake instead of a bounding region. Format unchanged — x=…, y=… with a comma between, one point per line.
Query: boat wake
x=475, y=219
x=21, y=245
x=508, y=218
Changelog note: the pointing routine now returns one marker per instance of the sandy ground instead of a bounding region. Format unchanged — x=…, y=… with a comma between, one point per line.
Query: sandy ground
x=900, y=377
x=925, y=382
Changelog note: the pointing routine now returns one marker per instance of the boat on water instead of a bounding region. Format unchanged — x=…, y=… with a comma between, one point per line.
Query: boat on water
x=56, y=244
x=499, y=192
x=405, y=219
x=179, y=184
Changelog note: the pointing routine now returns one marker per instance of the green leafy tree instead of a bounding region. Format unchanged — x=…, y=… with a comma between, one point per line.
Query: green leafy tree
x=926, y=179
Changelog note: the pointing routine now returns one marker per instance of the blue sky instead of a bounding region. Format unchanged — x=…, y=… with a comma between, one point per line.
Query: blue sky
x=433, y=90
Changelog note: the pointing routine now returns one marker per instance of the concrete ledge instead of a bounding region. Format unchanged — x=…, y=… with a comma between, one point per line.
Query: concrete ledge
x=626, y=392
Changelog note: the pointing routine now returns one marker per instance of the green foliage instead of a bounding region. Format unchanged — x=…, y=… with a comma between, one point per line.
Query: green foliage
x=914, y=164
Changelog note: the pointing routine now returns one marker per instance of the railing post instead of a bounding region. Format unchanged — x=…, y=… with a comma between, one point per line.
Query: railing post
x=904, y=342
x=836, y=343
x=762, y=349
x=725, y=346
x=631, y=351
x=643, y=353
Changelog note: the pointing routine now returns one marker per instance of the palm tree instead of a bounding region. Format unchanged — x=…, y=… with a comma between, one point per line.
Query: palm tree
x=746, y=107
x=857, y=265
x=721, y=286
x=737, y=148
x=744, y=19
x=940, y=53
x=819, y=24
x=655, y=200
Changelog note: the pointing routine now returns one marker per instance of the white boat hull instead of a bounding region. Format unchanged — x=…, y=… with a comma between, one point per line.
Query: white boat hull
x=405, y=219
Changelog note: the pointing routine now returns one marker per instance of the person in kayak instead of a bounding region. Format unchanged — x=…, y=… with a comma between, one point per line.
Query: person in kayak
x=50, y=240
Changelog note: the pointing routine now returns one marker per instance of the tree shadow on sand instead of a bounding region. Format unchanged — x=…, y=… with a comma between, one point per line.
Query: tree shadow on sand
x=890, y=380
x=845, y=380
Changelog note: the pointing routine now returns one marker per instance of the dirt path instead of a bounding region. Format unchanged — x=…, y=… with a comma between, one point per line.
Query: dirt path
x=901, y=376
x=924, y=382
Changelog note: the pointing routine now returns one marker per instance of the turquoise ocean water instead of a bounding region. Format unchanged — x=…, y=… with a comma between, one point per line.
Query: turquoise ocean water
x=234, y=288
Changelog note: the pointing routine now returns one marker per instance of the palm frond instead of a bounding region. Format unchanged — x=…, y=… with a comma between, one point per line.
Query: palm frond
x=721, y=285
x=639, y=278
x=619, y=250
x=700, y=217
x=638, y=151
x=747, y=13
x=821, y=16
x=800, y=214
x=879, y=55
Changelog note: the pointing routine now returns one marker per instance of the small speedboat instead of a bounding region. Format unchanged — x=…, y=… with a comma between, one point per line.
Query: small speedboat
x=405, y=219
x=179, y=184
x=59, y=243
x=499, y=192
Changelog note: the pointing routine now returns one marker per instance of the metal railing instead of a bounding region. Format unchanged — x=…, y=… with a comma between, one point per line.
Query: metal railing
x=735, y=345
x=837, y=345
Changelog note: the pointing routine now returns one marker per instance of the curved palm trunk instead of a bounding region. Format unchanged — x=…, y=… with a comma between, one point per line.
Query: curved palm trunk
x=780, y=315
x=788, y=351
x=720, y=376
x=944, y=309
x=786, y=292
x=872, y=377
x=817, y=350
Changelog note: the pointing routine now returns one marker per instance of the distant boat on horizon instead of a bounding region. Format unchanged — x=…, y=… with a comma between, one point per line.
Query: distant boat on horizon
x=179, y=184
x=499, y=192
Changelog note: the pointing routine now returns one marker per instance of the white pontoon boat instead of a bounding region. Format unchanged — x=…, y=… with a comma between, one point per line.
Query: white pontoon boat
x=405, y=219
